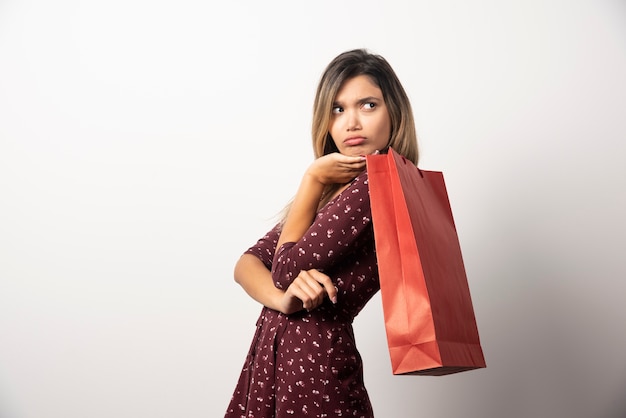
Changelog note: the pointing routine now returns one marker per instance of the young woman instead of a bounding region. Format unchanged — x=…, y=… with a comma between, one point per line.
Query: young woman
x=316, y=269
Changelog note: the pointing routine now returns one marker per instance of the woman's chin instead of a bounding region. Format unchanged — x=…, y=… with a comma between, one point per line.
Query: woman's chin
x=358, y=151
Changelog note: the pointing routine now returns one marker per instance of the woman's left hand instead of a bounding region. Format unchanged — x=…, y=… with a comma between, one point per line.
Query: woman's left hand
x=329, y=169
x=336, y=168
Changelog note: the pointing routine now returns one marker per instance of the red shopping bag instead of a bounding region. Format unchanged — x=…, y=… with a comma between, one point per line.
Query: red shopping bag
x=429, y=317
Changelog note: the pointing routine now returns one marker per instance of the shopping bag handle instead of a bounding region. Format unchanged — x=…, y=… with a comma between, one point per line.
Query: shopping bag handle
x=418, y=169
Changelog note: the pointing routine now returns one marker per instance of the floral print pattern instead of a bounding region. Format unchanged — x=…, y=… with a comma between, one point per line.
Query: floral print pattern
x=307, y=364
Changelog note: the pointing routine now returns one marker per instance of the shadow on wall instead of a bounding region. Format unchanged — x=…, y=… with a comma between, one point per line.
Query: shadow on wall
x=618, y=409
x=550, y=343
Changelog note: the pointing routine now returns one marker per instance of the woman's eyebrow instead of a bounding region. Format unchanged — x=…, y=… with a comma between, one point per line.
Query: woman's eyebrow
x=360, y=101
x=369, y=99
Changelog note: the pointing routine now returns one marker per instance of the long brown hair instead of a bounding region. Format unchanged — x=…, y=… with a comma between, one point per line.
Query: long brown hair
x=343, y=67
x=348, y=65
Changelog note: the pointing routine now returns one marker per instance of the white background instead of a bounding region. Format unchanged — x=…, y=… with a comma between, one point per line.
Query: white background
x=144, y=145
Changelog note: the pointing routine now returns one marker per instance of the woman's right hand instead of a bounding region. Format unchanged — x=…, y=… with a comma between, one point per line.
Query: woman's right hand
x=307, y=291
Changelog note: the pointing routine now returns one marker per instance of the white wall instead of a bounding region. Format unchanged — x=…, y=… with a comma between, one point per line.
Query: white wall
x=145, y=144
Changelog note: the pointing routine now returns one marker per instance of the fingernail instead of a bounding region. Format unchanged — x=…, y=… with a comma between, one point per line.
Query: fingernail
x=334, y=299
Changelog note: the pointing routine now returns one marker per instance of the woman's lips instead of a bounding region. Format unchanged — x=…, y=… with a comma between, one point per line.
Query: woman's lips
x=358, y=140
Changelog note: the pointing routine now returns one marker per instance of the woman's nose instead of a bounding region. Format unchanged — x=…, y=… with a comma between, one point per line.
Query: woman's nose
x=353, y=121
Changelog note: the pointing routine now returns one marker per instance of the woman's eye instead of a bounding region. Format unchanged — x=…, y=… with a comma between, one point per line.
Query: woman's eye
x=369, y=106
x=337, y=109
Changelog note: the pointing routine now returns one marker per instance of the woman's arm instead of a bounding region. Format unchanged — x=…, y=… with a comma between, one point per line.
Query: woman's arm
x=328, y=169
x=339, y=229
x=310, y=286
x=304, y=293
x=255, y=278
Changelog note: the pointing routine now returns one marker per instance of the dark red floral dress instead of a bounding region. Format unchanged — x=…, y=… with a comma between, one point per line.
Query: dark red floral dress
x=307, y=364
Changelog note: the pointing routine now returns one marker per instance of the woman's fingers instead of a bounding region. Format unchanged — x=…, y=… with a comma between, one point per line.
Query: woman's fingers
x=312, y=293
x=337, y=168
x=351, y=164
x=311, y=287
x=326, y=283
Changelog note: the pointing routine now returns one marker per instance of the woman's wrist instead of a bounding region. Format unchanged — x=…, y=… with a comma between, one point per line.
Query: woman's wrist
x=315, y=175
x=313, y=182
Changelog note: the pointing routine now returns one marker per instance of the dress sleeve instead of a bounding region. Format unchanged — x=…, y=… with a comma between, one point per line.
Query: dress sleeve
x=265, y=247
x=338, y=229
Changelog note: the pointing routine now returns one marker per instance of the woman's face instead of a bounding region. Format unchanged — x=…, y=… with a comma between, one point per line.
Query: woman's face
x=360, y=123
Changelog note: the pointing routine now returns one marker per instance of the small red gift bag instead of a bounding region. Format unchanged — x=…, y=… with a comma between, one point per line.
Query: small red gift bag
x=429, y=318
